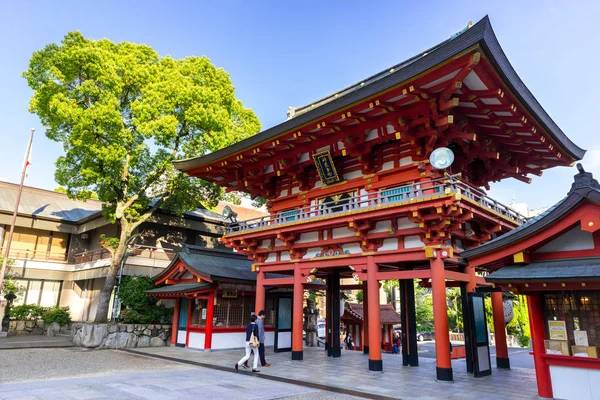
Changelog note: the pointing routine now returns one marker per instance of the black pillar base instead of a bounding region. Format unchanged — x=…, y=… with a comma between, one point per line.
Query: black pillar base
x=365, y=349
x=503, y=363
x=298, y=355
x=335, y=352
x=375, y=365
x=444, y=374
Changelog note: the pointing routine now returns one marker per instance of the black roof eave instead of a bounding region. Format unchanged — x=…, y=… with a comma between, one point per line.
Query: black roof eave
x=480, y=34
x=517, y=235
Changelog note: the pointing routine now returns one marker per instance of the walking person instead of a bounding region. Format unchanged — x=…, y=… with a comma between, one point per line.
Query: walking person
x=252, y=342
x=349, y=343
x=261, y=337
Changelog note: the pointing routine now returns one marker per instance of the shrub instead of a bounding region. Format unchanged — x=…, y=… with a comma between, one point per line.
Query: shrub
x=523, y=340
x=137, y=307
x=27, y=312
x=57, y=314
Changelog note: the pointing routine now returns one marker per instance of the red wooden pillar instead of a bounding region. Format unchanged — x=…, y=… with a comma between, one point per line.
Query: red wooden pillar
x=365, y=337
x=297, y=316
x=260, y=292
x=440, y=320
x=191, y=305
x=210, y=312
x=175, y=326
x=375, y=362
x=502, y=360
x=472, y=284
x=538, y=333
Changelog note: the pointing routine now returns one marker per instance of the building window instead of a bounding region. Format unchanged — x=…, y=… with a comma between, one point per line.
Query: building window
x=235, y=312
x=580, y=310
x=199, y=313
x=43, y=293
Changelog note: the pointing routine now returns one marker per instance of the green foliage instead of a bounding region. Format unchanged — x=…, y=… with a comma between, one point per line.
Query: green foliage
x=258, y=202
x=10, y=287
x=423, y=308
x=26, y=312
x=123, y=114
x=455, y=317
x=359, y=296
x=60, y=189
x=136, y=306
x=519, y=326
x=57, y=314
x=108, y=242
x=523, y=340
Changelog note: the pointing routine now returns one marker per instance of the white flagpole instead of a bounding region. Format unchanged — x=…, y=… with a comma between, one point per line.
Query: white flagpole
x=14, y=217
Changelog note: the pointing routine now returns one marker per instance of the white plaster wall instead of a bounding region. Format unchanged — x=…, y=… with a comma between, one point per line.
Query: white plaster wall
x=575, y=239
x=575, y=383
x=308, y=237
x=406, y=161
x=278, y=242
x=196, y=340
x=381, y=226
x=352, y=175
x=412, y=241
x=285, y=256
x=320, y=149
x=387, y=165
x=269, y=169
x=389, y=129
x=312, y=252
x=404, y=223
x=341, y=145
x=228, y=340
x=269, y=338
x=341, y=233
x=181, y=335
x=389, y=244
x=372, y=135
x=272, y=257
x=284, y=340
x=265, y=243
x=318, y=184
x=303, y=157
x=353, y=248
x=295, y=190
x=284, y=193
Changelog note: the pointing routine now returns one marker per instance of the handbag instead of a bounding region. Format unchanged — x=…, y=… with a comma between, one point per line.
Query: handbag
x=254, y=342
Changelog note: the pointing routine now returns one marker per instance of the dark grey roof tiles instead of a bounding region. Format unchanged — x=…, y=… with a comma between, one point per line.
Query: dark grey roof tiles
x=180, y=288
x=560, y=270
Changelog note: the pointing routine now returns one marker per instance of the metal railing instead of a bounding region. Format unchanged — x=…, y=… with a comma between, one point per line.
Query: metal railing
x=138, y=250
x=41, y=255
x=388, y=196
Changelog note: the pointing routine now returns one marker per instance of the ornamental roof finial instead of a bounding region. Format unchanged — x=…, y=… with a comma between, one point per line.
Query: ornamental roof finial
x=583, y=180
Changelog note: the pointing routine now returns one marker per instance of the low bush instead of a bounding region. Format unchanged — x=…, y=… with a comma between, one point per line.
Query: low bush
x=139, y=308
x=523, y=340
x=57, y=314
x=27, y=312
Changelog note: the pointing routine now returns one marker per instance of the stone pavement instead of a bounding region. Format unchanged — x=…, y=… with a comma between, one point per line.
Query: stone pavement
x=191, y=383
x=34, y=341
x=349, y=375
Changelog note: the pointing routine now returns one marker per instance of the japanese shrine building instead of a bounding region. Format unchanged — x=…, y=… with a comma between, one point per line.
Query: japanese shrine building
x=351, y=192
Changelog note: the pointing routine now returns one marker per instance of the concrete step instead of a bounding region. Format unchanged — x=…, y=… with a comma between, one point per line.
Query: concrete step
x=34, y=341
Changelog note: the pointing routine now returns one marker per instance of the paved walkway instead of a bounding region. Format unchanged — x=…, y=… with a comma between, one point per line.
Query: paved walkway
x=110, y=374
x=34, y=341
x=349, y=375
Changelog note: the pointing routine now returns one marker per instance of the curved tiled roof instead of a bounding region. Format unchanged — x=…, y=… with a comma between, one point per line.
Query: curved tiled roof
x=386, y=311
x=480, y=34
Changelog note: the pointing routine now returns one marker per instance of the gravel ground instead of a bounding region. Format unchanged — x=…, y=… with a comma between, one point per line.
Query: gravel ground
x=37, y=364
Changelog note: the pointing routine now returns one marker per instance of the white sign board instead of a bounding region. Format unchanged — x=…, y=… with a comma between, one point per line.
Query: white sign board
x=557, y=330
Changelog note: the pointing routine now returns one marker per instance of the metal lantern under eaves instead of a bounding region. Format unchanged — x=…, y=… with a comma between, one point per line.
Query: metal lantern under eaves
x=441, y=158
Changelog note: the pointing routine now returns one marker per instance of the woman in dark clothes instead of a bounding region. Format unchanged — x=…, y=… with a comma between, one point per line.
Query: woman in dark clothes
x=250, y=329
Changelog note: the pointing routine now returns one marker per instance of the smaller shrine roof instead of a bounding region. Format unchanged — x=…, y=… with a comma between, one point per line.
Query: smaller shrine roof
x=387, y=313
x=584, y=187
x=562, y=270
x=181, y=288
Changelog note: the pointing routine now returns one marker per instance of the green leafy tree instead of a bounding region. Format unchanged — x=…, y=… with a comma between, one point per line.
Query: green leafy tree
x=123, y=114
x=423, y=308
x=136, y=306
x=10, y=287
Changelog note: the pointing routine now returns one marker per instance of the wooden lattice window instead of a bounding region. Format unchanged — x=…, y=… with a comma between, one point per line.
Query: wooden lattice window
x=580, y=309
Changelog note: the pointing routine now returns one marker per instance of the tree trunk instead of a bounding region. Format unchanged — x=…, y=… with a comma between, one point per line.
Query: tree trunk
x=111, y=276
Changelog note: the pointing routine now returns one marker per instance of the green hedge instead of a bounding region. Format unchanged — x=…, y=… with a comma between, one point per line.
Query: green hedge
x=33, y=312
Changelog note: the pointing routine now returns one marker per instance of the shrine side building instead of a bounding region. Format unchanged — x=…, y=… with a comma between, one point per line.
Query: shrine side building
x=351, y=191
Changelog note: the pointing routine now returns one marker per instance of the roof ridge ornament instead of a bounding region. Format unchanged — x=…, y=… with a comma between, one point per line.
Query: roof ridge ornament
x=583, y=180
x=466, y=28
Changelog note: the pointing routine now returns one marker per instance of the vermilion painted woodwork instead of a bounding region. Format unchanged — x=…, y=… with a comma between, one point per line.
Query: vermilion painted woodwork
x=175, y=324
x=538, y=333
x=297, y=315
x=499, y=329
x=260, y=292
x=210, y=312
x=374, y=310
x=440, y=315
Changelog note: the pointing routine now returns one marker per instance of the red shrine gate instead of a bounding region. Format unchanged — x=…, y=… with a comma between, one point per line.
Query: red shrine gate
x=352, y=194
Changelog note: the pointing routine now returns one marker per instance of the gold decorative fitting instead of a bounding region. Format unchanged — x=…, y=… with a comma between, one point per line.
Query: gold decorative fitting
x=391, y=70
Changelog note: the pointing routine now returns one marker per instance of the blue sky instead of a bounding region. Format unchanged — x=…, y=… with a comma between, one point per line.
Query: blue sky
x=291, y=53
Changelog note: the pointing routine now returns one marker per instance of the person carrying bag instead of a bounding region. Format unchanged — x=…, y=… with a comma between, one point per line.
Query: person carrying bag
x=252, y=342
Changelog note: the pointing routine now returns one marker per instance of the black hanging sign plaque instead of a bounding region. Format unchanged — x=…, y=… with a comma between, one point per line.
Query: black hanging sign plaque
x=326, y=168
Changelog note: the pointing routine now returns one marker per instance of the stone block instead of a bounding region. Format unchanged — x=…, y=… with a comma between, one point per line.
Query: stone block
x=147, y=332
x=122, y=328
x=39, y=323
x=155, y=332
x=143, y=341
x=29, y=324
x=112, y=328
x=93, y=335
x=12, y=325
x=157, y=342
x=53, y=329
x=130, y=328
x=20, y=326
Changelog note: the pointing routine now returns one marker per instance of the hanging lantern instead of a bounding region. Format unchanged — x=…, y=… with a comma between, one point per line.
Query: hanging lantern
x=342, y=307
x=509, y=312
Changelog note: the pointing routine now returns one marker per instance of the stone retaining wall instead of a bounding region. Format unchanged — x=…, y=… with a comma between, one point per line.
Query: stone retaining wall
x=118, y=336
x=24, y=328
